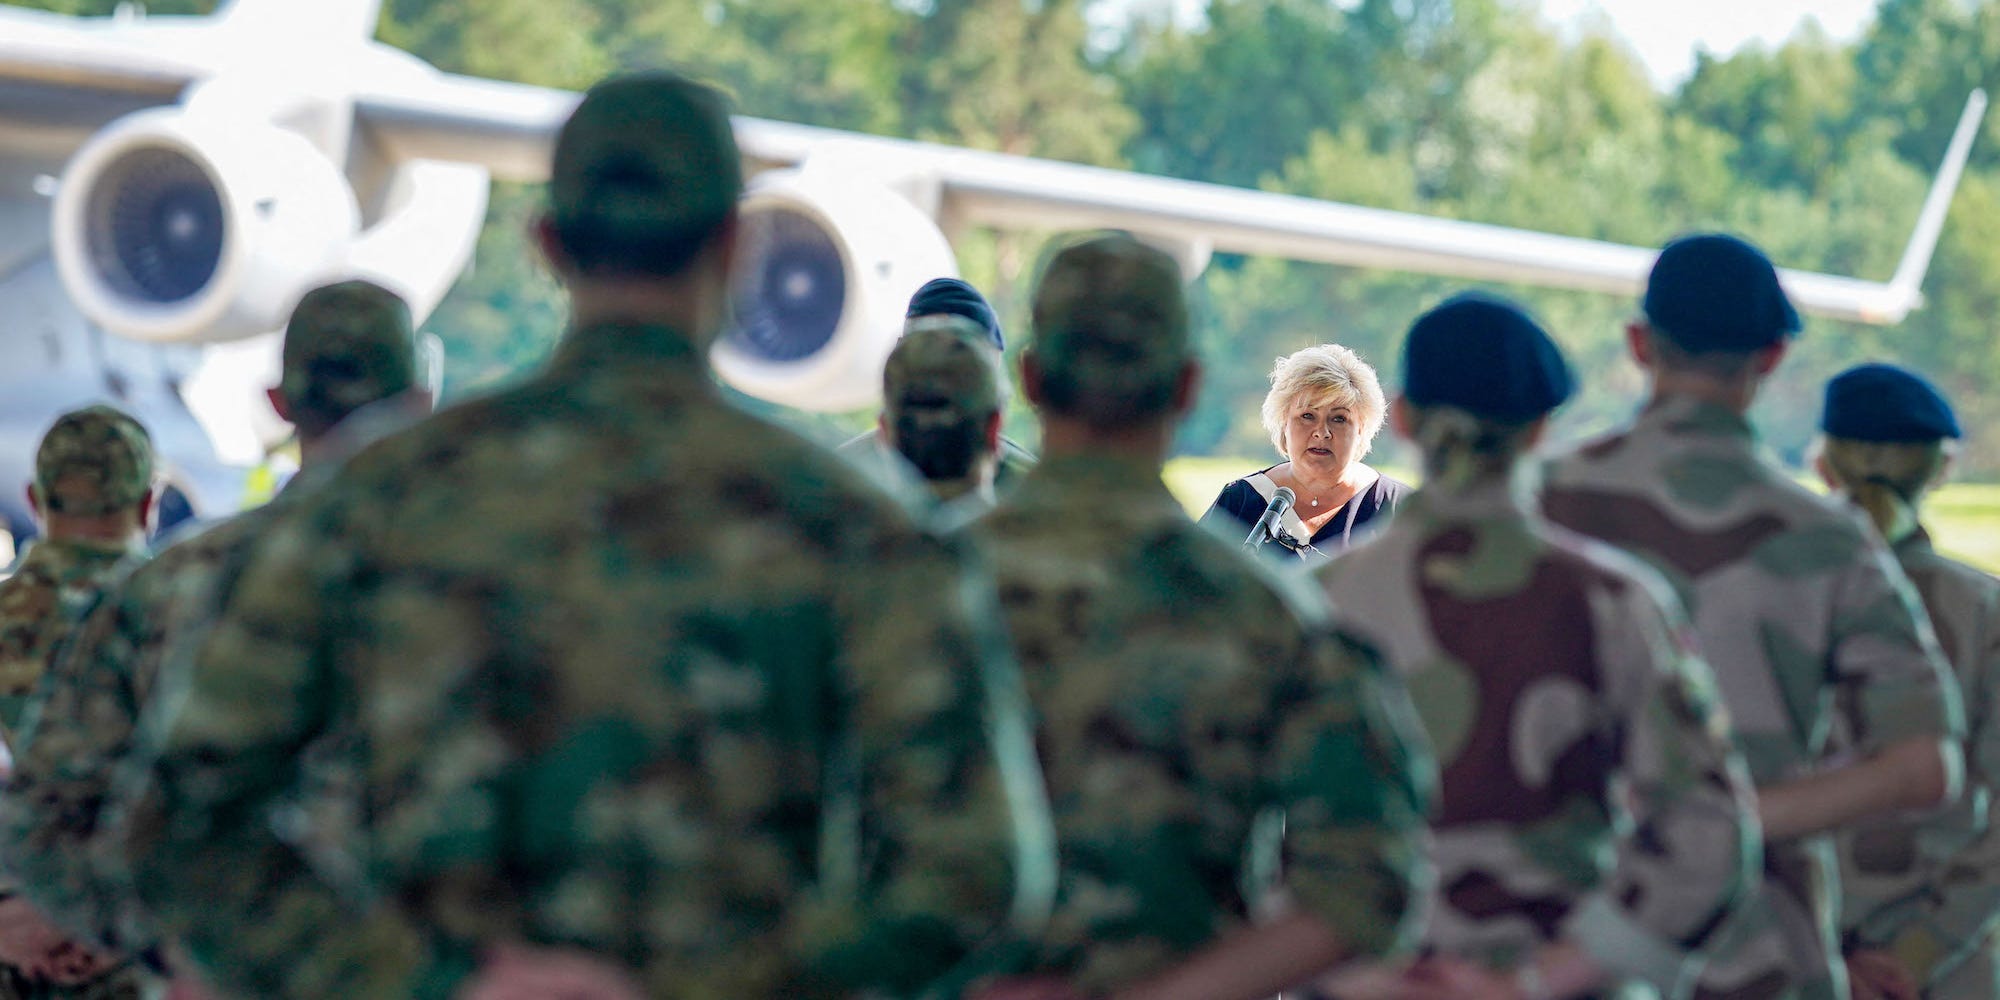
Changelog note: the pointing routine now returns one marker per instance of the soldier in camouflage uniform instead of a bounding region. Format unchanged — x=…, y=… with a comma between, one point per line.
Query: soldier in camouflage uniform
x=939, y=298
x=941, y=397
x=93, y=493
x=1595, y=825
x=348, y=346
x=1188, y=699
x=1810, y=627
x=615, y=666
x=1923, y=897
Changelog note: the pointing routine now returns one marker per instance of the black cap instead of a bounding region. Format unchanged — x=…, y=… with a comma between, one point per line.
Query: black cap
x=1711, y=292
x=1885, y=404
x=952, y=297
x=1485, y=355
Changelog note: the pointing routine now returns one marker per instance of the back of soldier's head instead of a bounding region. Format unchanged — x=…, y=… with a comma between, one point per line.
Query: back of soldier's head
x=941, y=389
x=1715, y=300
x=646, y=174
x=93, y=462
x=347, y=345
x=1111, y=336
x=1478, y=374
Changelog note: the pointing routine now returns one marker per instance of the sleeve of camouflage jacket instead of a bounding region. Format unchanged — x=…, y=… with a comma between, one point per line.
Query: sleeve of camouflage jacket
x=1947, y=922
x=1355, y=777
x=946, y=811
x=1694, y=846
x=1893, y=681
x=51, y=813
x=231, y=728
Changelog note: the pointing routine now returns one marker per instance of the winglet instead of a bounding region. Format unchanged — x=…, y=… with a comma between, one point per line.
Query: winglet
x=1905, y=286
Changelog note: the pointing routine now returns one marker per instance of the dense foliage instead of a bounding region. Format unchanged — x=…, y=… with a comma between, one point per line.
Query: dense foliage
x=1474, y=109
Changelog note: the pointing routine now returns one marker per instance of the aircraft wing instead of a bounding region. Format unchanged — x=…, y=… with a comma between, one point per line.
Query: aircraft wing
x=508, y=128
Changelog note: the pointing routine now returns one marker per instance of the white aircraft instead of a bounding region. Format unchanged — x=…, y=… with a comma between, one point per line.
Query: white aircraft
x=169, y=187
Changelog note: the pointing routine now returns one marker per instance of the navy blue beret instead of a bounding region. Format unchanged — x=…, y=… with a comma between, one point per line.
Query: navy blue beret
x=952, y=297
x=1711, y=292
x=1487, y=356
x=1886, y=404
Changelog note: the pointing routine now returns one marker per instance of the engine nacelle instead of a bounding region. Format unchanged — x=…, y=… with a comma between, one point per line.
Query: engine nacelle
x=825, y=270
x=176, y=225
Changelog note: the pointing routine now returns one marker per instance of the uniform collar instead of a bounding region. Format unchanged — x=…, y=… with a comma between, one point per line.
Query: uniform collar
x=1508, y=499
x=80, y=550
x=1127, y=483
x=1683, y=415
x=626, y=347
x=1916, y=543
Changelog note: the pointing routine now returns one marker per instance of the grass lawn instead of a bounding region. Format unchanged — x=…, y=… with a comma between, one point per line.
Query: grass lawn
x=1964, y=518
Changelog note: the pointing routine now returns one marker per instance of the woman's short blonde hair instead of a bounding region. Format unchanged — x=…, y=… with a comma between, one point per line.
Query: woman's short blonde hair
x=1328, y=373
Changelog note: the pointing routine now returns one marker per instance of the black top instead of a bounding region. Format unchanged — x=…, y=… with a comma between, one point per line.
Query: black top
x=1243, y=503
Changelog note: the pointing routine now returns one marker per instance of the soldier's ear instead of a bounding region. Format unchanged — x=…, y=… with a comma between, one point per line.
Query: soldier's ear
x=35, y=501
x=1824, y=469
x=1536, y=431
x=1639, y=341
x=993, y=432
x=1399, y=418
x=1031, y=379
x=1187, y=387
x=1767, y=358
x=542, y=232
x=278, y=404
x=148, y=508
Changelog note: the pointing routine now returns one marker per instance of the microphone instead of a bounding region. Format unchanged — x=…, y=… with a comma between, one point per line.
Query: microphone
x=1267, y=526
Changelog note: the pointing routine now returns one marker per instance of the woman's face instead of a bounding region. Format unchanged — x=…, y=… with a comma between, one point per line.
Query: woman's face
x=1322, y=437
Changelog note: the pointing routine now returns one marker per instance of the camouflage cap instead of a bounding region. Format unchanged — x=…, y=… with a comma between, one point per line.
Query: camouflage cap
x=646, y=155
x=1111, y=326
x=944, y=363
x=347, y=345
x=96, y=460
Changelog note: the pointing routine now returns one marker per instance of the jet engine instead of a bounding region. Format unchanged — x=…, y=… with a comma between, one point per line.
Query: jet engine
x=173, y=225
x=825, y=269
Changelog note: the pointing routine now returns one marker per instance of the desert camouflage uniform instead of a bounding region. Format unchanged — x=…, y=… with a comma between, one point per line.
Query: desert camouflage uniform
x=1551, y=672
x=1930, y=892
x=1811, y=630
x=616, y=666
x=1186, y=700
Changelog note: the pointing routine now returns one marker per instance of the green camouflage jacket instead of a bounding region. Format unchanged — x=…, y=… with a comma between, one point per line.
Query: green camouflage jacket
x=53, y=815
x=63, y=812
x=56, y=585
x=57, y=582
x=1590, y=789
x=1811, y=629
x=1191, y=706
x=1930, y=891
x=597, y=661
